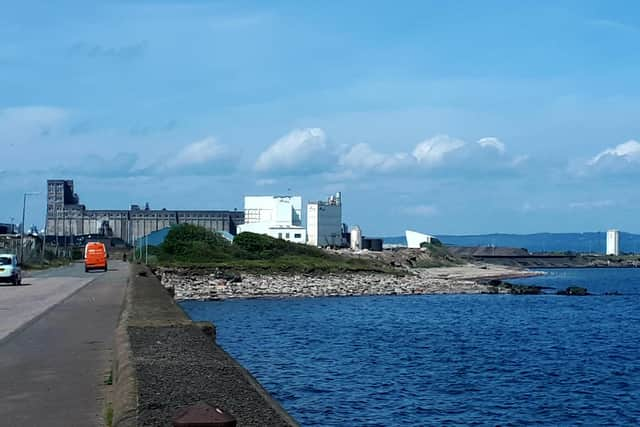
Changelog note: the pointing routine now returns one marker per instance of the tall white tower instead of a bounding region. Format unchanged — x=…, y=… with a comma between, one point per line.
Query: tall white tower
x=613, y=242
x=356, y=238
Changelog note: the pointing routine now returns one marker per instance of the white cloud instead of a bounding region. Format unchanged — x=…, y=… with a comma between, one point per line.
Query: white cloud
x=518, y=160
x=432, y=152
x=23, y=124
x=439, y=154
x=198, y=153
x=623, y=159
x=445, y=153
x=627, y=152
x=492, y=142
x=204, y=157
x=361, y=157
x=307, y=151
x=420, y=210
x=301, y=150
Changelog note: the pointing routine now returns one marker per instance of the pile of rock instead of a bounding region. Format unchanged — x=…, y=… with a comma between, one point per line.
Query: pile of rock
x=574, y=291
x=201, y=285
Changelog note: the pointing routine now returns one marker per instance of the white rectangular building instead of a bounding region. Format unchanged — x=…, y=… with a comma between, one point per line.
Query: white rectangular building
x=324, y=222
x=415, y=239
x=285, y=210
x=276, y=216
x=613, y=242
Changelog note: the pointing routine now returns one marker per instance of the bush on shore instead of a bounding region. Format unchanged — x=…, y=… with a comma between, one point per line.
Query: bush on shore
x=192, y=243
x=194, y=246
x=439, y=256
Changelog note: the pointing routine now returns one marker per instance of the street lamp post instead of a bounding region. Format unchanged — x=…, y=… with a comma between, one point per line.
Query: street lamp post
x=44, y=236
x=24, y=207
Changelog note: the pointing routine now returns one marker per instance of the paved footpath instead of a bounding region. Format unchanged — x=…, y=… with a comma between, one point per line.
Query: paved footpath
x=56, y=336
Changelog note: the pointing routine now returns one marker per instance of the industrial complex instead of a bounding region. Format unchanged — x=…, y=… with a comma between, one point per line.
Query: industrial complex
x=317, y=223
x=277, y=216
x=281, y=217
x=67, y=218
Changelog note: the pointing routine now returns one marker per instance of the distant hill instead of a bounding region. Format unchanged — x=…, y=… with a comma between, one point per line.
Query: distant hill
x=593, y=242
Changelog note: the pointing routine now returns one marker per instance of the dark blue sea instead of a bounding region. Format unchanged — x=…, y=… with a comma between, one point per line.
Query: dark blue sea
x=446, y=359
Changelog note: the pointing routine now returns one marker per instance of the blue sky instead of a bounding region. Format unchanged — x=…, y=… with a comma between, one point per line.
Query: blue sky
x=446, y=117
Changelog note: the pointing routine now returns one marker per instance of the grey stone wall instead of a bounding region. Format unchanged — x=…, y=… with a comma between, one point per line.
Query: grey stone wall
x=164, y=362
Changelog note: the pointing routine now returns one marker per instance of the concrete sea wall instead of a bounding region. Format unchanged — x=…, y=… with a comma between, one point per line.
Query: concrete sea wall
x=164, y=362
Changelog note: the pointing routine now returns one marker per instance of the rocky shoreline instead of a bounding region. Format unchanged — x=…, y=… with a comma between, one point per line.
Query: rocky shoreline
x=189, y=284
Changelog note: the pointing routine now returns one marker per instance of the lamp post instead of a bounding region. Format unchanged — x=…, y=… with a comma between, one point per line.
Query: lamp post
x=44, y=242
x=24, y=206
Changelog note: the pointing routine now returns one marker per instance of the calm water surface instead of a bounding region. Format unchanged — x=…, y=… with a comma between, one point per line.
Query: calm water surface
x=446, y=359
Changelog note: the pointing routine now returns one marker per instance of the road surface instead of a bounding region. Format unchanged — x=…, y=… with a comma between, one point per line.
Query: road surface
x=40, y=291
x=56, y=335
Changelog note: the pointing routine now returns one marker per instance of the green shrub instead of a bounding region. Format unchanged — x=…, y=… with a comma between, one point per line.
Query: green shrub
x=76, y=254
x=187, y=242
x=260, y=246
x=439, y=256
x=434, y=242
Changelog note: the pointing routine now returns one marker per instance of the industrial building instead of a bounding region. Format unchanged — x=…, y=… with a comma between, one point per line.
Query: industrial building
x=613, y=242
x=324, y=222
x=67, y=218
x=415, y=239
x=7, y=228
x=276, y=216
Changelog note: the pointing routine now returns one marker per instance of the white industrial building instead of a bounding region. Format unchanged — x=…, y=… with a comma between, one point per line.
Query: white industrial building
x=324, y=222
x=276, y=216
x=613, y=242
x=415, y=239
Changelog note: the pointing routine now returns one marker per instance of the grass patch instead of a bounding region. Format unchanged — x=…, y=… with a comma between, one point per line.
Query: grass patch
x=108, y=415
x=188, y=245
x=52, y=263
x=438, y=256
x=108, y=379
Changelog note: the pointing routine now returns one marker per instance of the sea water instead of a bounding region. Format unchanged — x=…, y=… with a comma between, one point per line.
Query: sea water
x=446, y=359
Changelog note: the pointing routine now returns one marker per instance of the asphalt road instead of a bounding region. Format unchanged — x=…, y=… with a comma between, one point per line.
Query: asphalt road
x=40, y=291
x=55, y=348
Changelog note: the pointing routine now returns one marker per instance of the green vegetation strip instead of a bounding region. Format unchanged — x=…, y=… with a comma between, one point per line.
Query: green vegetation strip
x=188, y=245
x=49, y=263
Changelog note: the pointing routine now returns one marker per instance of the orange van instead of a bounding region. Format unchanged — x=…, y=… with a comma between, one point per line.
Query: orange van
x=95, y=256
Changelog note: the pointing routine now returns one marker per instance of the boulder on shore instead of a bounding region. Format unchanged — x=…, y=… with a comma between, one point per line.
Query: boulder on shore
x=497, y=286
x=574, y=291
